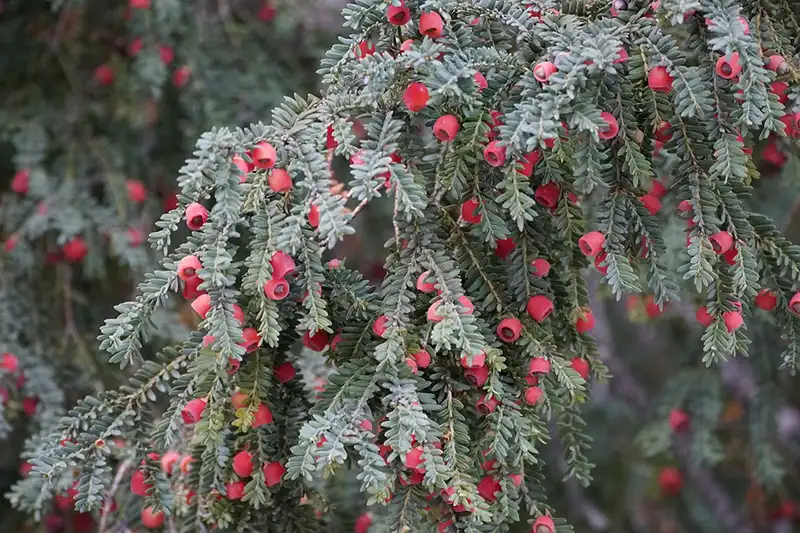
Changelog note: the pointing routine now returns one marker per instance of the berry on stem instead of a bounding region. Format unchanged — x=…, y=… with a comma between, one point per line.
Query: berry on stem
x=273, y=472
x=416, y=97
x=398, y=15
x=137, y=192
x=539, y=307
x=542, y=71
x=193, y=411
x=547, y=195
x=243, y=463
x=469, y=211
x=276, y=289
x=282, y=264
x=264, y=155
x=423, y=285
x=509, y=329
x=152, y=519
x=659, y=79
x=611, y=129
x=541, y=267
x=585, y=321
x=728, y=67
x=533, y=395
x=581, y=366
x=431, y=24
x=766, y=300
x=678, y=420
x=446, y=127
x=592, y=243
x=494, y=154
x=543, y=524
x=279, y=180
x=196, y=216
x=188, y=267
x=284, y=372
x=722, y=241
x=316, y=342
x=202, y=305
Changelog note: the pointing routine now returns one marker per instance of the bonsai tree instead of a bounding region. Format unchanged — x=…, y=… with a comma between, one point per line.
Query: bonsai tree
x=517, y=146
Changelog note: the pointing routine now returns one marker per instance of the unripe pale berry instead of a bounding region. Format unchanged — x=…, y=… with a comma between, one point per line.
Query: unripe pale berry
x=264, y=155
x=659, y=79
x=533, y=395
x=477, y=376
x=262, y=416
x=728, y=67
x=273, y=472
x=592, y=243
x=678, y=420
x=542, y=71
x=509, y=329
x=766, y=300
x=486, y=406
x=276, y=289
x=423, y=285
x=416, y=97
x=398, y=16
x=196, y=216
x=243, y=463
x=722, y=241
x=431, y=24
x=610, y=130
x=547, y=195
x=446, y=128
x=279, y=180
x=469, y=211
x=152, y=519
x=541, y=267
x=137, y=192
x=316, y=342
x=581, y=366
x=585, y=320
x=539, y=307
x=284, y=372
x=188, y=267
x=193, y=411
x=494, y=154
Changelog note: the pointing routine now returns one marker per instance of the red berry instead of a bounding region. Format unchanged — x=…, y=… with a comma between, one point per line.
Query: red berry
x=539, y=307
x=423, y=285
x=285, y=372
x=190, y=288
x=316, y=342
x=234, y=490
x=273, y=472
x=466, y=303
x=528, y=163
x=196, y=216
x=592, y=243
x=446, y=127
x=398, y=16
x=431, y=24
x=622, y=55
x=20, y=183
x=238, y=314
x=167, y=54
x=678, y=420
x=380, y=326
x=504, y=247
x=169, y=460
x=243, y=463
x=279, y=180
x=480, y=81
x=766, y=300
x=486, y=406
x=416, y=97
x=406, y=46
x=276, y=289
x=685, y=206
x=264, y=155
x=659, y=79
x=670, y=481
x=139, y=486
x=477, y=376
x=181, y=76
x=494, y=154
x=193, y=411
x=433, y=315
x=262, y=416
x=657, y=189
x=777, y=64
x=267, y=12
x=251, y=339
x=11, y=242
x=202, y=305
x=610, y=130
x=722, y=241
x=543, y=524
x=75, y=250
x=29, y=405
x=539, y=365
x=509, y=329
x=581, y=366
x=9, y=362
x=704, y=317
x=651, y=203
x=469, y=211
x=733, y=320
x=547, y=195
x=422, y=358
x=282, y=264
x=542, y=71
x=533, y=395
x=104, y=75
x=773, y=155
x=139, y=4
x=541, y=268
x=239, y=400
x=188, y=267
x=478, y=360
x=488, y=487
x=728, y=67
x=585, y=321
x=152, y=519
x=363, y=523
x=364, y=49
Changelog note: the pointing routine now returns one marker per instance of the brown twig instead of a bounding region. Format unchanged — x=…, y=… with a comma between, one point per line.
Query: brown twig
x=121, y=471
